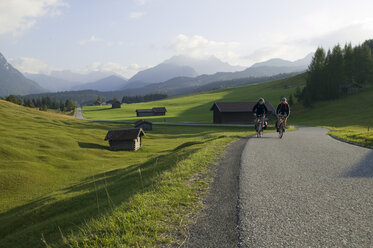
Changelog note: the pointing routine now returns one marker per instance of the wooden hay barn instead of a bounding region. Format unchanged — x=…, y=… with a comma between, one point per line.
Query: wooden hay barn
x=125, y=139
x=350, y=89
x=145, y=125
x=151, y=112
x=238, y=112
x=116, y=104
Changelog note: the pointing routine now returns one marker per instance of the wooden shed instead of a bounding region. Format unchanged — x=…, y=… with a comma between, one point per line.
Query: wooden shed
x=238, y=112
x=125, y=139
x=144, y=112
x=116, y=104
x=151, y=112
x=350, y=89
x=159, y=111
x=145, y=125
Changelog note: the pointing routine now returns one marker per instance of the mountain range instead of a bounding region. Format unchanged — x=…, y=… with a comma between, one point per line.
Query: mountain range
x=173, y=76
x=14, y=82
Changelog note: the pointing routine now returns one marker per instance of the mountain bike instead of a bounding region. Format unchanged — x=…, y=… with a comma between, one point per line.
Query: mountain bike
x=281, y=127
x=259, y=127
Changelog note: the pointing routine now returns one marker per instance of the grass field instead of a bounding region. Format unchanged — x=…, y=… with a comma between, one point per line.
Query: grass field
x=349, y=116
x=196, y=108
x=60, y=183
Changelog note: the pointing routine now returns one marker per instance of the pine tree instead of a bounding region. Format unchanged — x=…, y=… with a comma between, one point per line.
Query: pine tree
x=291, y=102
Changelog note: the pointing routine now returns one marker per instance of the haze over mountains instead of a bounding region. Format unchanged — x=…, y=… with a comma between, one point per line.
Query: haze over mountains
x=171, y=76
x=14, y=82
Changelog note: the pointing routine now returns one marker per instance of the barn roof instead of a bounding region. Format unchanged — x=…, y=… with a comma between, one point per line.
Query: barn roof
x=144, y=110
x=124, y=134
x=159, y=109
x=235, y=107
x=141, y=122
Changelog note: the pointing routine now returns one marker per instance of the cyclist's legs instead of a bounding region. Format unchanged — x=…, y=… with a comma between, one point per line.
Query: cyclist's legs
x=285, y=121
x=278, y=121
x=262, y=118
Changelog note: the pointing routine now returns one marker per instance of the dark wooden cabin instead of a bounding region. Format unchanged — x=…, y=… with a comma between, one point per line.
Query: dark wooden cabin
x=151, y=112
x=125, y=139
x=145, y=125
x=144, y=112
x=350, y=89
x=238, y=112
x=116, y=104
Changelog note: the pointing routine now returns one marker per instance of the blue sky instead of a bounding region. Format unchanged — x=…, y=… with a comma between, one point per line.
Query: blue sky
x=125, y=36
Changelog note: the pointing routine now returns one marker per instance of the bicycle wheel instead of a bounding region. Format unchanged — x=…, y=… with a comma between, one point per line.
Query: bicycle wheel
x=281, y=130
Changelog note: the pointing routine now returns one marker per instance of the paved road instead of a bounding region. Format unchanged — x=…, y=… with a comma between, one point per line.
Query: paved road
x=306, y=190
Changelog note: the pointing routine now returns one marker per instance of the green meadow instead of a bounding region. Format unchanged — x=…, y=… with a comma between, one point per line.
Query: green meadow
x=60, y=185
x=349, y=117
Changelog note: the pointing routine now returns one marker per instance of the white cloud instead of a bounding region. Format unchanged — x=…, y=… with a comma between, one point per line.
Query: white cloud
x=136, y=15
x=141, y=2
x=17, y=16
x=126, y=71
x=200, y=47
x=92, y=39
x=36, y=66
x=31, y=65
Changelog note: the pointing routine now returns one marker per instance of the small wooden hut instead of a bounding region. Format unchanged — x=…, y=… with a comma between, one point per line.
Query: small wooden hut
x=350, y=89
x=151, y=112
x=238, y=112
x=125, y=139
x=116, y=104
x=145, y=125
x=159, y=111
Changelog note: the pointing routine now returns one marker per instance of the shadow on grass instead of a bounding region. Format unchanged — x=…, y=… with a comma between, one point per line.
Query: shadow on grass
x=71, y=207
x=92, y=146
x=363, y=169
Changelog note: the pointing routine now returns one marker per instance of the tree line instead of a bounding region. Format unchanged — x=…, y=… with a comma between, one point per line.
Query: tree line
x=43, y=103
x=132, y=99
x=330, y=71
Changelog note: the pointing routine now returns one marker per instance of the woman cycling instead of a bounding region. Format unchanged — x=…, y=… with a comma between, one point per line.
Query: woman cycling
x=283, y=110
x=260, y=110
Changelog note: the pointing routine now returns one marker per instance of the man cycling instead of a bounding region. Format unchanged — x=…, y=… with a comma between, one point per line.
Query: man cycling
x=283, y=110
x=260, y=110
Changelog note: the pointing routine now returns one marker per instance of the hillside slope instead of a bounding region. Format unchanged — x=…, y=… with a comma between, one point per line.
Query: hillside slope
x=57, y=175
x=13, y=82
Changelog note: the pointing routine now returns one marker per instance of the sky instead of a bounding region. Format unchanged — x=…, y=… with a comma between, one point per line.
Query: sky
x=125, y=36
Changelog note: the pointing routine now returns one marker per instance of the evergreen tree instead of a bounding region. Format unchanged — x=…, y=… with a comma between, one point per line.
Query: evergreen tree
x=349, y=67
x=29, y=103
x=11, y=98
x=291, y=101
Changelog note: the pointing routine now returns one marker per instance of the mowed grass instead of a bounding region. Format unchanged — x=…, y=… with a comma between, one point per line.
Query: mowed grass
x=351, y=116
x=61, y=186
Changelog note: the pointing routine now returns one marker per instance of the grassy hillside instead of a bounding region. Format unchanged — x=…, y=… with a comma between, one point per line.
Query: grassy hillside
x=57, y=176
x=350, y=116
x=195, y=108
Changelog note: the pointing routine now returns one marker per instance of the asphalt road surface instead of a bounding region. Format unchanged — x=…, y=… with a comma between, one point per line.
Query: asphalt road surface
x=305, y=190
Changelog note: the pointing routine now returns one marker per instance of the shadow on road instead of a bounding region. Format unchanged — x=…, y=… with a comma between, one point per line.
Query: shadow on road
x=362, y=169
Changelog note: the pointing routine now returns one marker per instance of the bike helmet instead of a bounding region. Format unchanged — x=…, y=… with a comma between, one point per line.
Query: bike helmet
x=261, y=99
x=283, y=99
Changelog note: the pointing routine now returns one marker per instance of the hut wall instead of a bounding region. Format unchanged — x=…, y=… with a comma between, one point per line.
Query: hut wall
x=159, y=113
x=137, y=143
x=144, y=114
x=124, y=145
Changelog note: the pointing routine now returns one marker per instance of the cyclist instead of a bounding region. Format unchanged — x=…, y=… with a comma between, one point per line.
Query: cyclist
x=260, y=110
x=283, y=110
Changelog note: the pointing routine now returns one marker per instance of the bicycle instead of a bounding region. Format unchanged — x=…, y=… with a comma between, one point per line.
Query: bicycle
x=259, y=127
x=281, y=127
